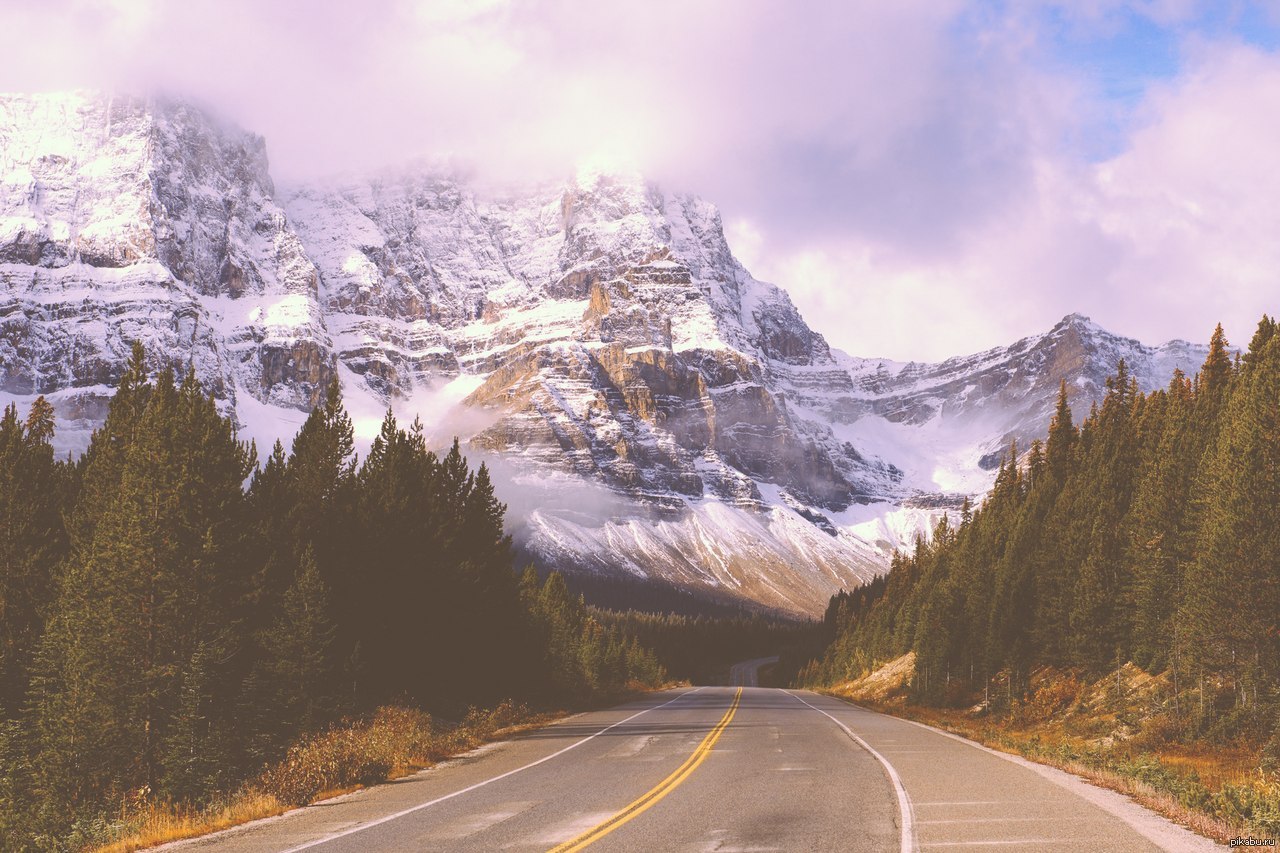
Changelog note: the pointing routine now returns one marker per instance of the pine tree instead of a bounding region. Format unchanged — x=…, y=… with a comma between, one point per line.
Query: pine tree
x=1097, y=623
x=322, y=454
x=194, y=629
x=40, y=421
x=1215, y=375
x=1265, y=331
x=320, y=512
x=1159, y=538
x=196, y=754
x=100, y=467
x=1233, y=592
x=399, y=601
x=269, y=506
x=32, y=542
x=1062, y=437
x=145, y=607
x=1151, y=531
x=1009, y=627
x=299, y=667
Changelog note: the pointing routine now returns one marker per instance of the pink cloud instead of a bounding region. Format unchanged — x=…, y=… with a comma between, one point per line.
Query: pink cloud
x=905, y=169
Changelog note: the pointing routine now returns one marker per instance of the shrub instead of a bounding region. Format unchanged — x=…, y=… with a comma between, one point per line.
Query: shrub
x=1255, y=806
x=359, y=754
x=1270, y=763
x=1158, y=730
x=1051, y=698
x=1245, y=724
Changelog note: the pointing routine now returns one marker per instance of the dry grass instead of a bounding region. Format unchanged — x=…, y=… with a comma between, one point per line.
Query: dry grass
x=1117, y=732
x=393, y=742
x=888, y=683
x=1214, y=766
x=1044, y=748
x=160, y=823
x=1161, y=802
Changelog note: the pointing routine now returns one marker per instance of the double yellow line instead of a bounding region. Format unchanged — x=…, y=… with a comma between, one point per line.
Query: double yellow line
x=657, y=792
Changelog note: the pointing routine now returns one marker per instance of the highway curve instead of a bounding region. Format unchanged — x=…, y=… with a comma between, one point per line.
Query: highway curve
x=723, y=769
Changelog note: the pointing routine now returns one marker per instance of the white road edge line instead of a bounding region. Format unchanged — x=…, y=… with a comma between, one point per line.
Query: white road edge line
x=904, y=801
x=362, y=827
x=1151, y=825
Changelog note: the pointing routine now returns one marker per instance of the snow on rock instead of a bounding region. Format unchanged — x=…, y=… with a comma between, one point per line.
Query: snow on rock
x=596, y=336
x=125, y=219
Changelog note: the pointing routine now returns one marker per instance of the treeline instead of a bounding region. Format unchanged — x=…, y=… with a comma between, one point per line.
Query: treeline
x=585, y=656
x=1149, y=533
x=166, y=629
x=702, y=648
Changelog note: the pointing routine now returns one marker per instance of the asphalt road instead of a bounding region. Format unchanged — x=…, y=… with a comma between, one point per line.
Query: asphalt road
x=723, y=769
x=747, y=673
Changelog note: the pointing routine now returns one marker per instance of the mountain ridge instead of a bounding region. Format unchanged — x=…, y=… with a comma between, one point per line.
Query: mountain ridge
x=596, y=338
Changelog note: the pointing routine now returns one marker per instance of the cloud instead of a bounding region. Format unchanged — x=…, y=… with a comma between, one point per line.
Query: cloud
x=920, y=175
x=553, y=494
x=1191, y=202
x=1168, y=237
x=864, y=117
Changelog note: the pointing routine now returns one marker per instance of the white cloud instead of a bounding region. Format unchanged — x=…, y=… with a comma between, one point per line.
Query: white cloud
x=1174, y=234
x=908, y=170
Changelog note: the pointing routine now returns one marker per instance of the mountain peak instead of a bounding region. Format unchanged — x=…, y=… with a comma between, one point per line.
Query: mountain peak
x=591, y=174
x=600, y=331
x=1076, y=319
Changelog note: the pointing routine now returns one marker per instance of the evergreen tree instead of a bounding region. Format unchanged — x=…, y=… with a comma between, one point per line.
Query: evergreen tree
x=32, y=542
x=1160, y=538
x=269, y=504
x=143, y=619
x=298, y=670
x=1215, y=375
x=1062, y=437
x=99, y=469
x=1265, y=331
x=1150, y=532
x=40, y=421
x=318, y=503
x=192, y=629
x=196, y=754
x=1233, y=592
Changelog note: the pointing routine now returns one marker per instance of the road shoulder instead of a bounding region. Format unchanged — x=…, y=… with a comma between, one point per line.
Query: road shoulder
x=1154, y=827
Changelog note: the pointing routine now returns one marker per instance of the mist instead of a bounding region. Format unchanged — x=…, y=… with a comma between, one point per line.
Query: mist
x=926, y=178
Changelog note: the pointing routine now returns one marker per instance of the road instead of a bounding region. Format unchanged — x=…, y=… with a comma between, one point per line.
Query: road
x=747, y=673
x=723, y=769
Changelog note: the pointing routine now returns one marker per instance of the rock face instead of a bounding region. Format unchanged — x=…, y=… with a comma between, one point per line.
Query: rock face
x=983, y=402
x=654, y=409
x=124, y=219
x=618, y=337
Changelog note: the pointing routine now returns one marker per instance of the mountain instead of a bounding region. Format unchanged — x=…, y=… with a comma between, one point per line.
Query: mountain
x=651, y=410
x=983, y=402
x=123, y=219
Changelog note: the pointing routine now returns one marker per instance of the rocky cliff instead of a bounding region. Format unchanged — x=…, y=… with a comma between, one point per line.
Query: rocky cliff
x=652, y=408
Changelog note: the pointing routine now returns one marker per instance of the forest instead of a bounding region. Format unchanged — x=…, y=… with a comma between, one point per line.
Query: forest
x=174, y=615
x=1149, y=533
x=701, y=648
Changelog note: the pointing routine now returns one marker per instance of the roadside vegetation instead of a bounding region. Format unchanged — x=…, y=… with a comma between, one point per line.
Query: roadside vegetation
x=390, y=743
x=185, y=632
x=1142, y=546
x=1114, y=730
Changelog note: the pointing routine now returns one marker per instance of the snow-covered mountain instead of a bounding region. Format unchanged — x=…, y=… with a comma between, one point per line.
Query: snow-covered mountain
x=650, y=408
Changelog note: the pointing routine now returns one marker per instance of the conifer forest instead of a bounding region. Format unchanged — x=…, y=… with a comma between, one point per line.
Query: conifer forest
x=179, y=613
x=1148, y=533
x=176, y=612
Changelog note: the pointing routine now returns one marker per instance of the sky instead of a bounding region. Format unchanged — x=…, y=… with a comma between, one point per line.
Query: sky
x=925, y=177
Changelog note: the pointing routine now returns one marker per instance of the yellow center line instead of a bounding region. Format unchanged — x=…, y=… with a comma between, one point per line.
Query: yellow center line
x=657, y=792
